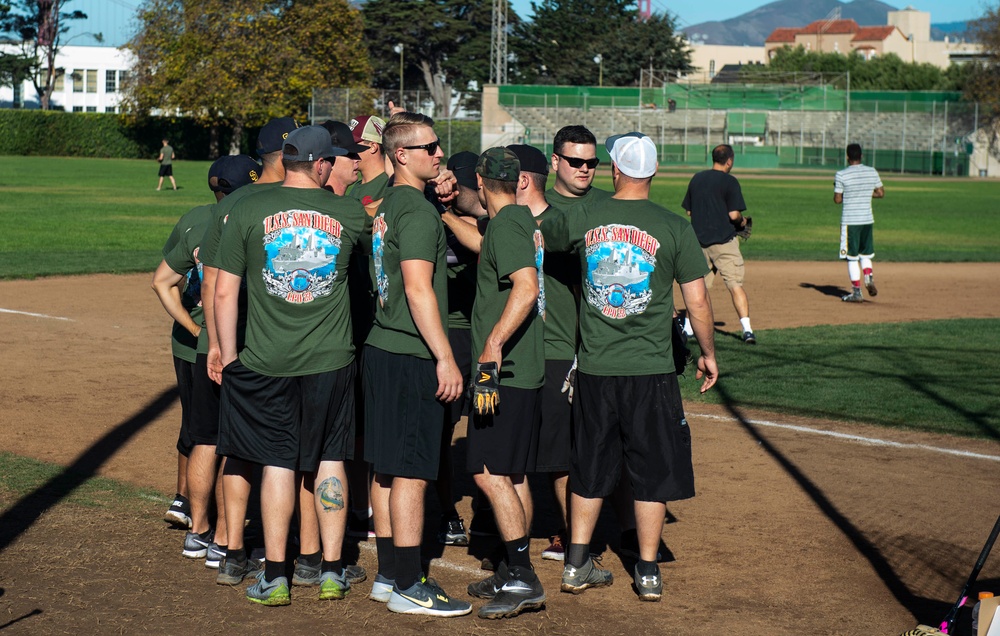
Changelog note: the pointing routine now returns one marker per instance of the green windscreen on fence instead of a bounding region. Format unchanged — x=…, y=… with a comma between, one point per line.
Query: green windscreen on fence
x=746, y=123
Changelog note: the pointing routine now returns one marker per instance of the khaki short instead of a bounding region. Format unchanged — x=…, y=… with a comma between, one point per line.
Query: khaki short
x=726, y=260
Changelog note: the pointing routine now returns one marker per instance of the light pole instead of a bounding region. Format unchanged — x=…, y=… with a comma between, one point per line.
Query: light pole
x=399, y=49
x=599, y=60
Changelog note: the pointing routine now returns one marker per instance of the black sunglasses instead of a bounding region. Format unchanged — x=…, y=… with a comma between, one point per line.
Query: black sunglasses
x=576, y=162
x=431, y=148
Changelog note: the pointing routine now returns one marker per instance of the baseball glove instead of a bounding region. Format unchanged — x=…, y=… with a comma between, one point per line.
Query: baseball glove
x=744, y=233
x=570, y=382
x=486, y=388
x=678, y=345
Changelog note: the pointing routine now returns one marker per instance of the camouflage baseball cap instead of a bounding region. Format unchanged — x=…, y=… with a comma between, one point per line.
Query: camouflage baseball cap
x=499, y=164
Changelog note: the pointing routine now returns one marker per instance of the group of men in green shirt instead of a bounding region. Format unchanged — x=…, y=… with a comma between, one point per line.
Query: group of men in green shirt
x=290, y=385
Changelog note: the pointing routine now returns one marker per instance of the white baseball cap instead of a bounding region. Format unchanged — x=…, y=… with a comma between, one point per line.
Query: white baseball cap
x=634, y=153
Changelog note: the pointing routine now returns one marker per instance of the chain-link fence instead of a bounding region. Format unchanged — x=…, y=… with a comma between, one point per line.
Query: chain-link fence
x=457, y=133
x=768, y=126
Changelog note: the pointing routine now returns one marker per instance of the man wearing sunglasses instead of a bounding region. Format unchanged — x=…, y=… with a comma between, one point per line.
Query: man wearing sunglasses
x=574, y=162
x=409, y=368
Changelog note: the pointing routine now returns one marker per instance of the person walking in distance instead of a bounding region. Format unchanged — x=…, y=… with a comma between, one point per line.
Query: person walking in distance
x=714, y=201
x=166, y=159
x=855, y=186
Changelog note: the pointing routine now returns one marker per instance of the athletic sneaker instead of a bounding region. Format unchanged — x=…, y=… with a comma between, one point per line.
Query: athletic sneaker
x=360, y=527
x=748, y=337
x=491, y=585
x=650, y=586
x=426, y=598
x=853, y=297
x=196, y=545
x=576, y=580
x=556, y=550
x=214, y=556
x=514, y=597
x=179, y=512
x=333, y=586
x=870, y=285
x=270, y=593
x=355, y=573
x=232, y=572
x=452, y=532
x=307, y=575
x=381, y=589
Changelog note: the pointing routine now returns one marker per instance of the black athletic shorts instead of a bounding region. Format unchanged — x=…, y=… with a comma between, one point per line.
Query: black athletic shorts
x=555, y=434
x=204, y=406
x=403, y=419
x=184, y=371
x=461, y=348
x=506, y=443
x=167, y=171
x=293, y=422
x=638, y=420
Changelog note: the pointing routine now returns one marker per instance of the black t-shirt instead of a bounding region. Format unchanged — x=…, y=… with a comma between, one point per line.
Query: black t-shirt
x=711, y=196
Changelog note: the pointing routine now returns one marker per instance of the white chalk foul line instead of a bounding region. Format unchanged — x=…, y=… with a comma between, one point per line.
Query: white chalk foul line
x=28, y=313
x=870, y=441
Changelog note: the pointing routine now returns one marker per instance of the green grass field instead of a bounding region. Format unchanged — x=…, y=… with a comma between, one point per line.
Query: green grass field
x=79, y=216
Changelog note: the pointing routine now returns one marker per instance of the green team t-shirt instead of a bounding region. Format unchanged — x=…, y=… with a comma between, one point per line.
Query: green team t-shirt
x=213, y=233
x=168, y=155
x=183, y=345
x=562, y=277
x=512, y=242
x=630, y=253
x=183, y=259
x=293, y=246
x=405, y=228
x=561, y=201
x=371, y=191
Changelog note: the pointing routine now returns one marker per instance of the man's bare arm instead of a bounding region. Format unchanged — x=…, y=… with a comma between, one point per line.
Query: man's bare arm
x=166, y=285
x=520, y=304
x=213, y=359
x=879, y=193
x=465, y=229
x=418, y=285
x=699, y=310
x=227, y=298
x=838, y=197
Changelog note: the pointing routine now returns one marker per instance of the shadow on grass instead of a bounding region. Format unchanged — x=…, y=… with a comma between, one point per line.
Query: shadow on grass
x=23, y=514
x=925, y=610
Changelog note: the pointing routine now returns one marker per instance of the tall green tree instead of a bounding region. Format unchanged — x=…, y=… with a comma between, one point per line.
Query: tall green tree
x=651, y=43
x=40, y=25
x=242, y=62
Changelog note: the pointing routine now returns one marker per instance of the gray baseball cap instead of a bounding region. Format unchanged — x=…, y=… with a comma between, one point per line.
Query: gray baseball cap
x=310, y=143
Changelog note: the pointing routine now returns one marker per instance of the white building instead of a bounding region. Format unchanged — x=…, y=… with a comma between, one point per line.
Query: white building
x=88, y=80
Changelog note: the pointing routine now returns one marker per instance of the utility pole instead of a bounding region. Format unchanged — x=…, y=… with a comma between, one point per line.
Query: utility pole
x=498, y=47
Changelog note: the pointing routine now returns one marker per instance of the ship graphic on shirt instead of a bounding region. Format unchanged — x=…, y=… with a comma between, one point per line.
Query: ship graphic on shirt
x=540, y=266
x=620, y=262
x=301, y=248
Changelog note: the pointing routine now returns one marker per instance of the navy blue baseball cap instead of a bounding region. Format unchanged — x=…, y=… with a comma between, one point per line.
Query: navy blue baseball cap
x=531, y=158
x=272, y=136
x=213, y=173
x=463, y=164
x=236, y=172
x=342, y=137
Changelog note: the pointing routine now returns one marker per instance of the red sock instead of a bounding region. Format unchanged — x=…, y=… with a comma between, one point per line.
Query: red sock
x=856, y=283
x=868, y=271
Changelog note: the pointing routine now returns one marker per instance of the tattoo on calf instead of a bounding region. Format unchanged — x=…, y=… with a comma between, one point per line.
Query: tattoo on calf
x=331, y=494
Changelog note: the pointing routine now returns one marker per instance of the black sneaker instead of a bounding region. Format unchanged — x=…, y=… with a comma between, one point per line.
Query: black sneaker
x=306, y=575
x=749, y=338
x=196, y=545
x=514, y=597
x=452, y=532
x=576, y=580
x=491, y=585
x=355, y=573
x=650, y=586
x=232, y=572
x=179, y=512
x=426, y=598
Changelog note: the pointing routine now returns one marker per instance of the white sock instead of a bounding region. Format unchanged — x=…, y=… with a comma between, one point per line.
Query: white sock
x=854, y=271
x=745, y=322
x=687, y=327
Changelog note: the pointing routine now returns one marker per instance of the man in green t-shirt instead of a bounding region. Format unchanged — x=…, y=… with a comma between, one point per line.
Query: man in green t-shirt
x=367, y=131
x=409, y=368
x=288, y=396
x=507, y=342
x=574, y=162
x=182, y=267
x=166, y=159
x=627, y=406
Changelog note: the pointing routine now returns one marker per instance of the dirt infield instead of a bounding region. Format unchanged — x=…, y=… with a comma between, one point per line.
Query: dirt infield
x=793, y=531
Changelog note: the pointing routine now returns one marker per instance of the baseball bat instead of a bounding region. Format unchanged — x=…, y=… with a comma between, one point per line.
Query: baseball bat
x=963, y=595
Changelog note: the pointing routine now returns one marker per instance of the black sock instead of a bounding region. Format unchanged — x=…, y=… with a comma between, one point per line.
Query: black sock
x=337, y=567
x=408, y=570
x=517, y=553
x=206, y=535
x=386, y=557
x=577, y=554
x=181, y=498
x=310, y=560
x=236, y=555
x=646, y=568
x=273, y=569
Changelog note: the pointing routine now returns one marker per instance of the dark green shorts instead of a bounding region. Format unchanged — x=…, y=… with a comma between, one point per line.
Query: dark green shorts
x=857, y=240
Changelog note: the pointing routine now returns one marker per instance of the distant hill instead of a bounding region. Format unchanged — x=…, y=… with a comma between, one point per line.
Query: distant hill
x=753, y=27
x=951, y=29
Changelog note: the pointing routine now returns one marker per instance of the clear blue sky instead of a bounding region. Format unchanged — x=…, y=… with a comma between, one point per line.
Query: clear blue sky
x=692, y=12
x=113, y=18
